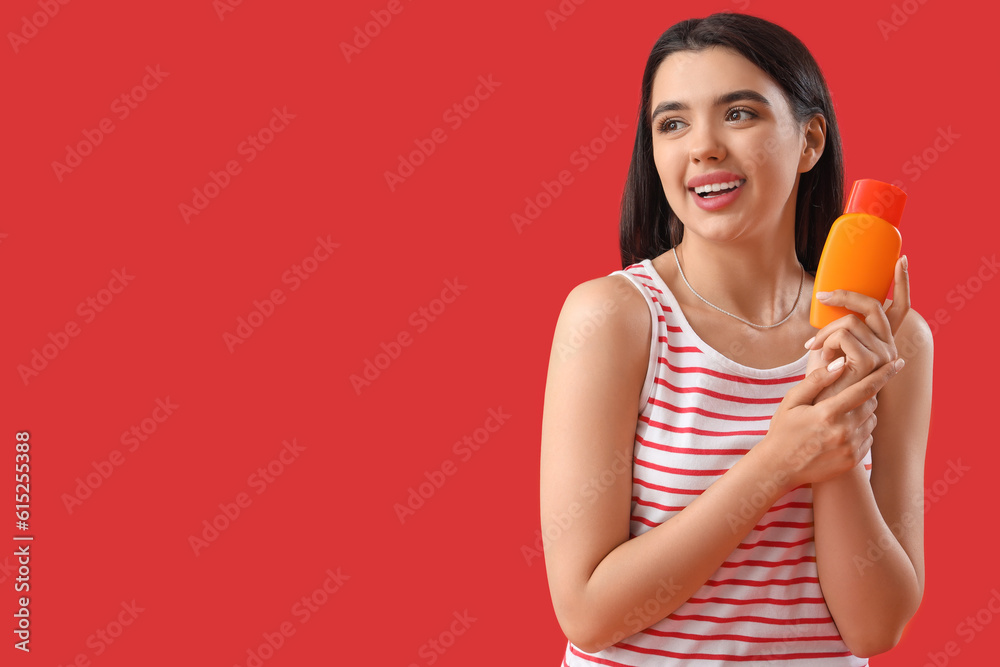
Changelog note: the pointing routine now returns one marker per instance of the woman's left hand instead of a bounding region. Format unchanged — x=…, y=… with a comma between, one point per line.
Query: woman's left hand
x=867, y=343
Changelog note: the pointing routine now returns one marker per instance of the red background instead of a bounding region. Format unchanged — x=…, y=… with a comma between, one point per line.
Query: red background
x=323, y=175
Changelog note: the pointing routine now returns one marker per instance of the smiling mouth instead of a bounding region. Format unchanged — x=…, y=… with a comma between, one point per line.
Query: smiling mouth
x=717, y=189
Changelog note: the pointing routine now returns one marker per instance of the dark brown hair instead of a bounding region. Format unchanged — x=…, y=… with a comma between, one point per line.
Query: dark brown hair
x=648, y=225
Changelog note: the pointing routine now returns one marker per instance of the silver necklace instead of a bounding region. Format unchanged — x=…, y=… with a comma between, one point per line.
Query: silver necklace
x=759, y=326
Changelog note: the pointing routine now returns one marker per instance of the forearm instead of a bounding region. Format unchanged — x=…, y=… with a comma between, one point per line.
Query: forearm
x=867, y=578
x=643, y=580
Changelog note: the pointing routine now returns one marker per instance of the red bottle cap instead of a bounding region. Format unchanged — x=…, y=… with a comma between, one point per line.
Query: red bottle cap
x=877, y=198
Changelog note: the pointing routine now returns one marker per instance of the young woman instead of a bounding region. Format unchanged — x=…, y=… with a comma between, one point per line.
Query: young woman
x=721, y=483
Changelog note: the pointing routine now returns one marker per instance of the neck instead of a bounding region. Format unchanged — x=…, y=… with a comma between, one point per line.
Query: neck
x=757, y=282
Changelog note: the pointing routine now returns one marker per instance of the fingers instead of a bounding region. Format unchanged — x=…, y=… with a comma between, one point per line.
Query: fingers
x=868, y=308
x=865, y=388
x=805, y=392
x=865, y=447
x=871, y=422
x=900, y=296
x=864, y=416
x=865, y=432
x=849, y=335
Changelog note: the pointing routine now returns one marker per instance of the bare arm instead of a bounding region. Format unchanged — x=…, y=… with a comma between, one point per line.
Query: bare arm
x=597, y=576
x=869, y=536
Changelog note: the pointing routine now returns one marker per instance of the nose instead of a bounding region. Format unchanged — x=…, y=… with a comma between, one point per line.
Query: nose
x=705, y=143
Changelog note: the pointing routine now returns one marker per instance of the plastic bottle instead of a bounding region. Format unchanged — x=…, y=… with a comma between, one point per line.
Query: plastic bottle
x=861, y=250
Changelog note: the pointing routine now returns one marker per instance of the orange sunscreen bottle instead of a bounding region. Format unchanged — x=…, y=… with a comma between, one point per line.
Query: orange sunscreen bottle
x=861, y=250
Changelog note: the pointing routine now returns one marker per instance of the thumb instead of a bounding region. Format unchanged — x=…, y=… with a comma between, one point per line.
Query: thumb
x=805, y=392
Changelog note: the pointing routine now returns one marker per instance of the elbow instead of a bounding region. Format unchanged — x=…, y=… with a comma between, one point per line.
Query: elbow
x=586, y=636
x=591, y=643
x=580, y=635
x=579, y=626
x=883, y=637
x=881, y=640
x=872, y=646
x=584, y=645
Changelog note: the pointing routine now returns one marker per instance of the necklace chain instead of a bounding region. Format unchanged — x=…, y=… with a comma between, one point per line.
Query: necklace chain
x=759, y=326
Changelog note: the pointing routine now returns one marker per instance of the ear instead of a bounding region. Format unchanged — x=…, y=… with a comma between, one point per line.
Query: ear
x=814, y=135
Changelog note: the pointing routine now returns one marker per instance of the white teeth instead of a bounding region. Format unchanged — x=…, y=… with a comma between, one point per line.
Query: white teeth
x=716, y=187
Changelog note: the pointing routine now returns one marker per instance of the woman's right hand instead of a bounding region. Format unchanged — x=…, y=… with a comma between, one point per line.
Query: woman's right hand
x=814, y=443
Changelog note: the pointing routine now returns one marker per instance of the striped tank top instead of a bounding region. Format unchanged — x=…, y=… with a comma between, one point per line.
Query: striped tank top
x=699, y=412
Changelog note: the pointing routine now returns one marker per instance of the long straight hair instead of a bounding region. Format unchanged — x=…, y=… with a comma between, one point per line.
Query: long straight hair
x=649, y=227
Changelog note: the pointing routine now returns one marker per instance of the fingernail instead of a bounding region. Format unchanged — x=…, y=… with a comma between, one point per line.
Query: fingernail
x=836, y=364
x=904, y=263
x=899, y=364
x=823, y=295
x=810, y=342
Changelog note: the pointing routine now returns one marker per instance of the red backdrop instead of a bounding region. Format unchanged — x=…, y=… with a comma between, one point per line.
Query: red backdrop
x=240, y=346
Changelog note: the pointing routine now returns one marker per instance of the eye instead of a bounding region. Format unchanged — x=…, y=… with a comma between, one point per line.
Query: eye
x=668, y=125
x=740, y=110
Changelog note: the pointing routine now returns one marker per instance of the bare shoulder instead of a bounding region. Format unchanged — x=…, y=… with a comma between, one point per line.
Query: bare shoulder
x=911, y=388
x=906, y=400
x=914, y=339
x=607, y=312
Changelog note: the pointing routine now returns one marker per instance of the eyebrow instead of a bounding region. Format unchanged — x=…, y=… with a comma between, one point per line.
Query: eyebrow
x=726, y=98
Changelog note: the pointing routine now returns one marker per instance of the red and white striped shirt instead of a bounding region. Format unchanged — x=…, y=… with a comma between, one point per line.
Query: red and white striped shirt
x=699, y=412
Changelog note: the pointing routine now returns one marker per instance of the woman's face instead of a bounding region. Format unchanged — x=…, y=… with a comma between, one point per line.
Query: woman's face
x=719, y=119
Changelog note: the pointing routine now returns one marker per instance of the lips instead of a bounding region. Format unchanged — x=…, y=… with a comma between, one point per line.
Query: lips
x=713, y=177
x=712, y=190
x=714, y=200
